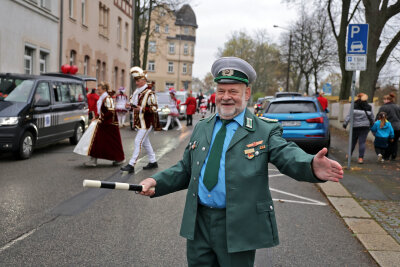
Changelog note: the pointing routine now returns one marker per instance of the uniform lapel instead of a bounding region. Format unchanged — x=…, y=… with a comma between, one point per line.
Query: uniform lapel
x=209, y=130
x=242, y=132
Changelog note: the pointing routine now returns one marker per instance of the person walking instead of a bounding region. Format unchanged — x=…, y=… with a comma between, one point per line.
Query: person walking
x=363, y=119
x=190, y=108
x=92, y=98
x=144, y=107
x=174, y=113
x=384, y=134
x=121, y=100
x=199, y=99
x=322, y=100
x=393, y=115
x=229, y=212
x=212, y=100
x=104, y=139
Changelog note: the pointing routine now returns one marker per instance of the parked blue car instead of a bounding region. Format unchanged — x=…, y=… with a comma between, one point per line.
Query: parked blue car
x=303, y=121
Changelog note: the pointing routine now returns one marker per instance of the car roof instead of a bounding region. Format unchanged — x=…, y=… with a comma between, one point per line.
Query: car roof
x=74, y=76
x=293, y=99
x=39, y=77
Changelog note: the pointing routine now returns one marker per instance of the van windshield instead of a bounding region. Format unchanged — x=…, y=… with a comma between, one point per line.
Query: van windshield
x=21, y=92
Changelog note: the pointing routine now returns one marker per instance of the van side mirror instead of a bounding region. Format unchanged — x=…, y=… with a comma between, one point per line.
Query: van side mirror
x=42, y=103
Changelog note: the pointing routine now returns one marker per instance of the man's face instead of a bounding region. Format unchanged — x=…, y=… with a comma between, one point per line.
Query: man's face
x=140, y=83
x=231, y=99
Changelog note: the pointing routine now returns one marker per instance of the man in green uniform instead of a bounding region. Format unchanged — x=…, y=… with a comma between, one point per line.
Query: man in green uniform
x=229, y=212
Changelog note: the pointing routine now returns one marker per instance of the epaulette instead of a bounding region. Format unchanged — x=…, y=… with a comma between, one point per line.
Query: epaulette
x=268, y=119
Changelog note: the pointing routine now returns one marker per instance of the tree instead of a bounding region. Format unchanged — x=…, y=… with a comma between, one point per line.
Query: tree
x=377, y=15
x=265, y=58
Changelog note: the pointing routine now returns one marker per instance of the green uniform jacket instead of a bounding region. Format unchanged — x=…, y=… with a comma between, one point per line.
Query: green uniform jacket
x=250, y=215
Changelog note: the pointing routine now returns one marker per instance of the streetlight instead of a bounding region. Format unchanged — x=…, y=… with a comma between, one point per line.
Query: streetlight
x=290, y=51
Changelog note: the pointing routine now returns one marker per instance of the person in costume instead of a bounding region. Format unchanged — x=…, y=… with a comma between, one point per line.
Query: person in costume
x=229, y=212
x=190, y=108
x=92, y=98
x=121, y=99
x=106, y=140
x=203, y=108
x=144, y=106
x=174, y=113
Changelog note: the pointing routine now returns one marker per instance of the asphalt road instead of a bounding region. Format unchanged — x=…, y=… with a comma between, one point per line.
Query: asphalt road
x=47, y=218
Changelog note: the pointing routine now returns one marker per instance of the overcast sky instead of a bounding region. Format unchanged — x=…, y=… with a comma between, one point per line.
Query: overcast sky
x=217, y=20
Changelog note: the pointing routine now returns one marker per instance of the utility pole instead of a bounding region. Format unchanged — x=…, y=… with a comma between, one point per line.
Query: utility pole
x=132, y=41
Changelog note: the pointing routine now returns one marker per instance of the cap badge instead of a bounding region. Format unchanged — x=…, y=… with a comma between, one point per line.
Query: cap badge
x=227, y=73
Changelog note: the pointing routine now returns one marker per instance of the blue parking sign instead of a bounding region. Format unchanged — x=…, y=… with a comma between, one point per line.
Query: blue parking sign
x=357, y=39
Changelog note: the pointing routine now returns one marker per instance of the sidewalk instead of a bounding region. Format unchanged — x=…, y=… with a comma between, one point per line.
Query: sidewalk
x=368, y=199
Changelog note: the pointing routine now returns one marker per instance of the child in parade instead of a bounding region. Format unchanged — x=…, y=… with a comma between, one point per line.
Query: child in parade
x=203, y=107
x=383, y=132
x=121, y=100
x=174, y=111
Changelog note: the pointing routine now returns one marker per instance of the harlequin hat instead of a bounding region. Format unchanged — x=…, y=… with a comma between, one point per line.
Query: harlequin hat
x=121, y=89
x=233, y=70
x=137, y=73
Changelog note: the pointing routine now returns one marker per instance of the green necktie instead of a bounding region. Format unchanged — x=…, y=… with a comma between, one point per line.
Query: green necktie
x=212, y=168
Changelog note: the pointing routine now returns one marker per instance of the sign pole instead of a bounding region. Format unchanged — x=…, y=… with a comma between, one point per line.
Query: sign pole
x=353, y=88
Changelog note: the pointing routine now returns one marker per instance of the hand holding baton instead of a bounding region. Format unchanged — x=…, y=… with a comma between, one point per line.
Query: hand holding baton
x=114, y=185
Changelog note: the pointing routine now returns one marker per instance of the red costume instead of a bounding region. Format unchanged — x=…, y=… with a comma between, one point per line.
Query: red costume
x=323, y=101
x=92, y=101
x=106, y=142
x=191, y=105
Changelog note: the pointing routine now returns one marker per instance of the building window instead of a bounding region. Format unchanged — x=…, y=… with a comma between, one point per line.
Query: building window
x=126, y=35
x=152, y=65
x=166, y=29
x=98, y=67
x=170, y=66
x=186, y=85
x=190, y=69
x=43, y=62
x=162, y=12
x=192, y=50
x=152, y=46
x=169, y=85
x=83, y=13
x=119, y=27
x=123, y=77
x=184, y=68
x=71, y=8
x=103, y=72
x=186, y=30
x=28, y=60
x=186, y=49
x=104, y=13
x=86, y=65
x=115, y=78
x=157, y=28
x=171, y=48
x=46, y=4
x=72, y=58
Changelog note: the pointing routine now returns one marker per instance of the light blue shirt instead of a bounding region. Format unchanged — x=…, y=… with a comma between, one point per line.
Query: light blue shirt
x=216, y=197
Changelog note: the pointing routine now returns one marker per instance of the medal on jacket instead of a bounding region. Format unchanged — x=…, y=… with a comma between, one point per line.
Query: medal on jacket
x=254, y=144
x=194, y=145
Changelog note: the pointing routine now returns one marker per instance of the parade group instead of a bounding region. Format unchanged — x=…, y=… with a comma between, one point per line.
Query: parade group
x=108, y=111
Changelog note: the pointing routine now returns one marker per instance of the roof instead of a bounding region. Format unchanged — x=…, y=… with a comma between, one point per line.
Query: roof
x=185, y=16
x=47, y=76
x=75, y=76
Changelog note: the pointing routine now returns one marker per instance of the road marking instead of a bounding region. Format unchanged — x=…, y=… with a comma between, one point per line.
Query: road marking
x=22, y=237
x=273, y=175
x=309, y=201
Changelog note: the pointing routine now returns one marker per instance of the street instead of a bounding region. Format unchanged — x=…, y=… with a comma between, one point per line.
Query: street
x=48, y=218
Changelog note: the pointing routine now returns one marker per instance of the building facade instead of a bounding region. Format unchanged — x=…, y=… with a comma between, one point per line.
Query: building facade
x=28, y=36
x=96, y=37
x=171, y=48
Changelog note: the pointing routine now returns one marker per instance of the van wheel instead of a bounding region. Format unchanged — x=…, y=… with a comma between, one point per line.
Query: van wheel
x=77, y=135
x=25, y=148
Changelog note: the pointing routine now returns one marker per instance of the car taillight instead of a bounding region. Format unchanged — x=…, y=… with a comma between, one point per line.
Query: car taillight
x=316, y=120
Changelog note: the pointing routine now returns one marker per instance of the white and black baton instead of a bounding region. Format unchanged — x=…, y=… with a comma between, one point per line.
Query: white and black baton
x=113, y=185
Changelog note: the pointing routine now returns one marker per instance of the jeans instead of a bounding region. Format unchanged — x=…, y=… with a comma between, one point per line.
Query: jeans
x=360, y=134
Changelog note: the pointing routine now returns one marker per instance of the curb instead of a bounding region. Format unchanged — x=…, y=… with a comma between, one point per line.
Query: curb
x=382, y=247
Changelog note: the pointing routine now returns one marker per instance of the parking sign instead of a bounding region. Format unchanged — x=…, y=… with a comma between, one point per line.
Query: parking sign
x=357, y=39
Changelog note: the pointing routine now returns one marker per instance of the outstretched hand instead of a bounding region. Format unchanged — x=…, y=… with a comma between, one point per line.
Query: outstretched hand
x=326, y=169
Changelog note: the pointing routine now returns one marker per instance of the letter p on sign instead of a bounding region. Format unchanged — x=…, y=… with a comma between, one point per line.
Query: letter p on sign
x=354, y=30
